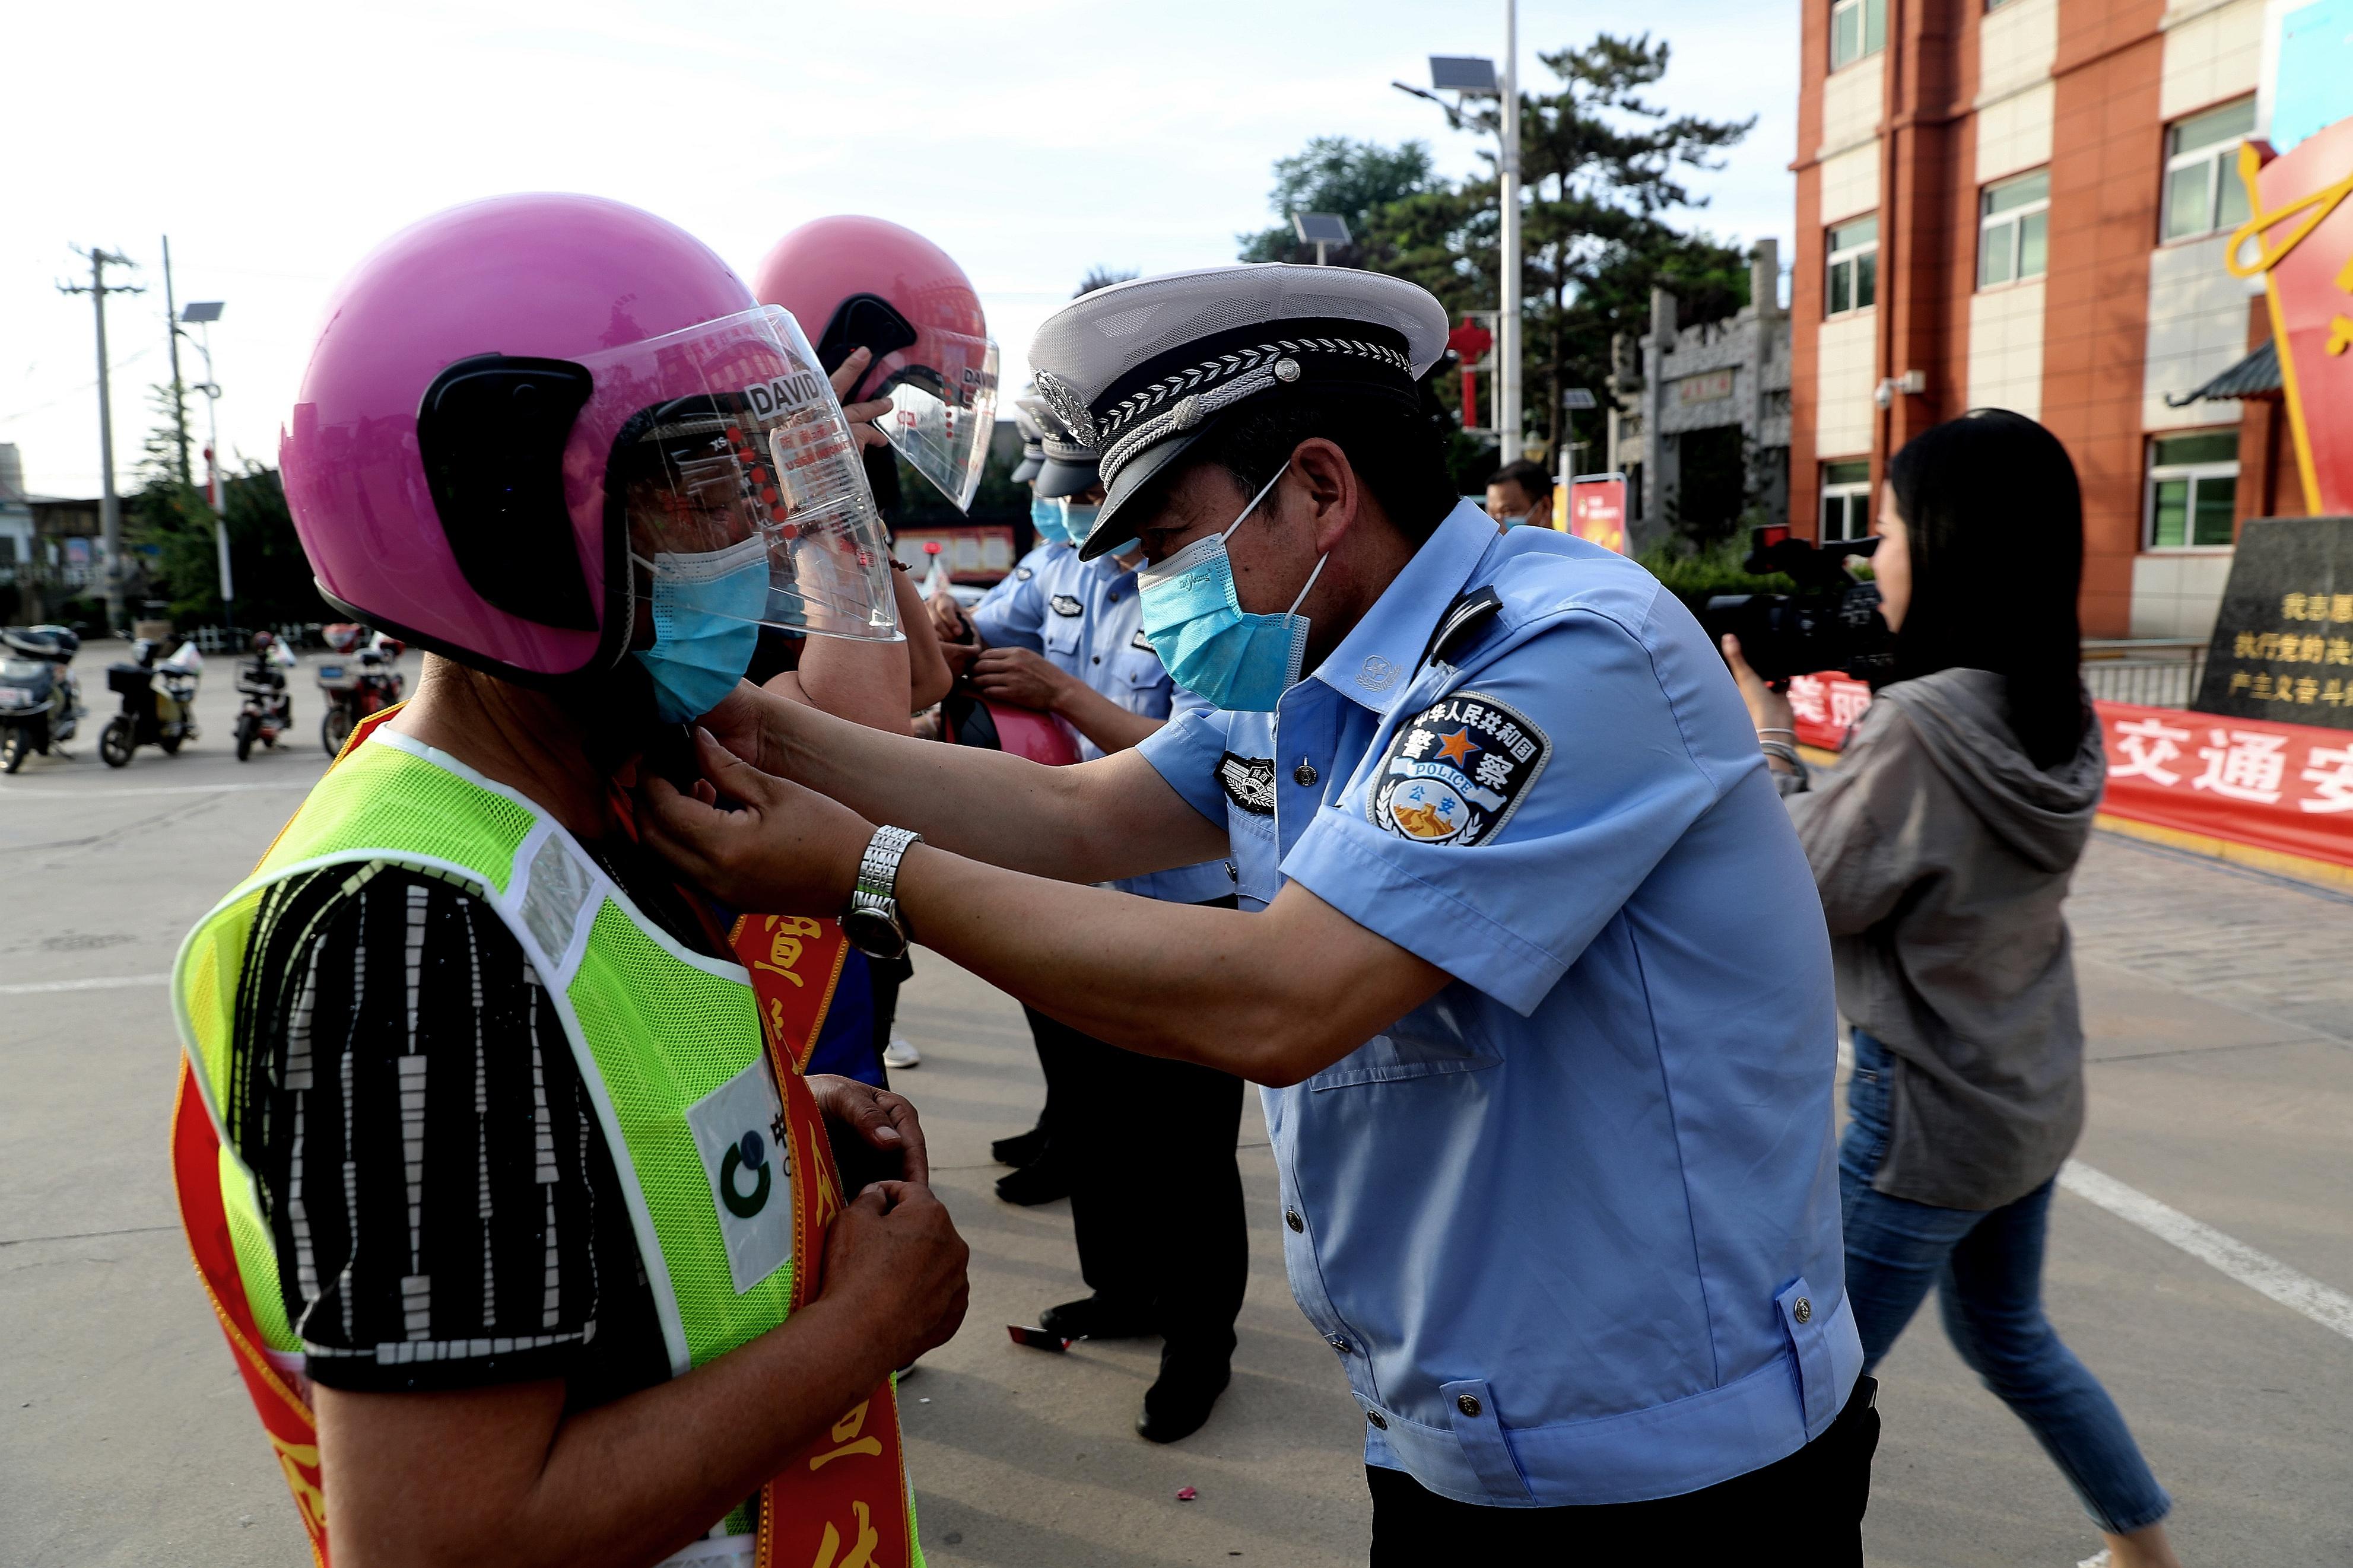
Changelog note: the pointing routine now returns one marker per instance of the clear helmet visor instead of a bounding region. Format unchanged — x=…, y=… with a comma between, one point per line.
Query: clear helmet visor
x=729, y=448
x=943, y=415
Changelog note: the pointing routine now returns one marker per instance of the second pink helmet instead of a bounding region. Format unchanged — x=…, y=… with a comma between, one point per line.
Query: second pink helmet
x=490, y=382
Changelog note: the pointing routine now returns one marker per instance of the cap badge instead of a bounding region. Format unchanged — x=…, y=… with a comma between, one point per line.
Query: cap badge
x=1067, y=406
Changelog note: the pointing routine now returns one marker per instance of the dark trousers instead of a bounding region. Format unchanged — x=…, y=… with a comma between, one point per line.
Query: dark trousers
x=1804, y=1508
x=1156, y=1195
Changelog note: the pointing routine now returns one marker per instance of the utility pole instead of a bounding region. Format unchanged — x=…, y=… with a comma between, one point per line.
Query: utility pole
x=179, y=389
x=109, y=506
x=1507, y=327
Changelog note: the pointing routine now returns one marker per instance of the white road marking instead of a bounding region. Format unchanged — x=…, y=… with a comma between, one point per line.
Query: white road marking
x=85, y=796
x=109, y=983
x=2259, y=1271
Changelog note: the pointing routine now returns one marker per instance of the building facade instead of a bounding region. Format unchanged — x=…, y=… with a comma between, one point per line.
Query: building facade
x=2023, y=203
x=1699, y=421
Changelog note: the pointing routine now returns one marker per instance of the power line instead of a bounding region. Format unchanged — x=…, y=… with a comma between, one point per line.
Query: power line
x=129, y=359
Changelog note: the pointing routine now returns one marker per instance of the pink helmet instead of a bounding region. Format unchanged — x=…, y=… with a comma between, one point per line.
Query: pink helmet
x=448, y=459
x=864, y=282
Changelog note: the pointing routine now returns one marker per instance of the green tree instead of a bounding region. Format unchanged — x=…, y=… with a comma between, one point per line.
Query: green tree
x=1604, y=173
x=1339, y=175
x=273, y=579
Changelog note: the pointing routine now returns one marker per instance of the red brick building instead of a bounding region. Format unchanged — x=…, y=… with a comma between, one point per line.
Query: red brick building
x=2023, y=203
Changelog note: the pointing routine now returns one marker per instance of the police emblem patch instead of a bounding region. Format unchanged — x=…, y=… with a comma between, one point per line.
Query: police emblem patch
x=1248, y=783
x=1022, y=574
x=1142, y=644
x=1065, y=605
x=1456, y=772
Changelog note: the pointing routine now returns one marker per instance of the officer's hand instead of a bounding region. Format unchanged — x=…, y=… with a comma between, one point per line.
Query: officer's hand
x=884, y=1120
x=948, y=619
x=862, y=415
x=1016, y=675
x=1768, y=708
x=754, y=722
x=894, y=1259
x=754, y=840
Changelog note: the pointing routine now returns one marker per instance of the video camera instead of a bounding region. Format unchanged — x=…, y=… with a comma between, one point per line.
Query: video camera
x=1832, y=622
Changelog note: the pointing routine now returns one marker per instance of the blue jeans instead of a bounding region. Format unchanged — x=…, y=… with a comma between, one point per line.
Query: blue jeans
x=1986, y=1265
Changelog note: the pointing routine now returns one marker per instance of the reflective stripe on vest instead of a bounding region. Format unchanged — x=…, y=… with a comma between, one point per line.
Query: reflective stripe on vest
x=699, y=1113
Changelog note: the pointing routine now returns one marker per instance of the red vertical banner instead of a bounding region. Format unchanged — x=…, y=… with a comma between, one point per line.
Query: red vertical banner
x=1596, y=510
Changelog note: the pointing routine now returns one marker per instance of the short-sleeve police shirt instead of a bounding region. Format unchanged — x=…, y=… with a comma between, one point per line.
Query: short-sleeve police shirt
x=1571, y=1225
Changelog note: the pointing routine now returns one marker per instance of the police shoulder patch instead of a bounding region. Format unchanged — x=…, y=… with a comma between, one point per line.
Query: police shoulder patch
x=1142, y=644
x=1248, y=783
x=1066, y=605
x=1456, y=772
x=1022, y=574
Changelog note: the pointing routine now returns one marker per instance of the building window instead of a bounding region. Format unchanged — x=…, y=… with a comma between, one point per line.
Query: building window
x=2193, y=489
x=1858, y=27
x=2014, y=230
x=1846, y=500
x=2203, y=192
x=1853, y=266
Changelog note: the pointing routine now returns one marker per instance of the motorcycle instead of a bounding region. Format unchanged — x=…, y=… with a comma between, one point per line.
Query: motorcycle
x=159, y=701
x=40, y=702
x=368, y=684
x=268, y=711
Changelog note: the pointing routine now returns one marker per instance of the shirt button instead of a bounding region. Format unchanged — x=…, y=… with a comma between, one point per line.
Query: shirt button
x=1378, y=1419
x=1467, y=1403
x=1803, y=1309
x=1291, y=1217
x=1098, y=658
x=1338, y=1342
x=1303, y=775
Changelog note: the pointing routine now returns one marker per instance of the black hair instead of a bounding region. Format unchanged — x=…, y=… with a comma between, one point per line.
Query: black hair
x=1534, y=482
x=1995, y=519
x=1384, y=433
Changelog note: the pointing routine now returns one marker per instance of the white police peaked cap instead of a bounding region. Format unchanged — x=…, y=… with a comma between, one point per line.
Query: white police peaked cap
x=1033, y=443
x=1066, y=465
x=1137, y=372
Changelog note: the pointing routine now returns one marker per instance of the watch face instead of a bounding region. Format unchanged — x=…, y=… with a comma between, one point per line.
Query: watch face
x=874, y=933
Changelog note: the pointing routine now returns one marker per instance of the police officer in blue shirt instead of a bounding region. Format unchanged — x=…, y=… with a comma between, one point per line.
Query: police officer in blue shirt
x=1534, y=971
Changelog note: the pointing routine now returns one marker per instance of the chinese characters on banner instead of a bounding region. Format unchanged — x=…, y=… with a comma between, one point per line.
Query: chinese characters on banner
x=1596, y=510
x=2286, y=787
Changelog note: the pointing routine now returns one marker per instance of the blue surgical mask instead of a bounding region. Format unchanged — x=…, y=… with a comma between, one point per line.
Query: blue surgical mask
x=1079, y=519
x=1209, y=644
x=706, y=608
x=1046, y=518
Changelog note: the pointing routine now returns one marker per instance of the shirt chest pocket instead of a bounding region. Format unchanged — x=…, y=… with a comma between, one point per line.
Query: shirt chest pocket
x=1258, y=874
x=1403, y=1054
x=1140, y=684
x=1061, y=636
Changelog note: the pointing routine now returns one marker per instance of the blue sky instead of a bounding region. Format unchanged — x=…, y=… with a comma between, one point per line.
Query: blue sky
x=1032, y=138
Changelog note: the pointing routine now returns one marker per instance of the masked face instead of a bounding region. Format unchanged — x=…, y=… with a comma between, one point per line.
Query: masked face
x=1193, y=618
x=1046, y=519
x=706, y=607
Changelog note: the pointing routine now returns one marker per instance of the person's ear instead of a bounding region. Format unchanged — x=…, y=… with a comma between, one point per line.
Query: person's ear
x=1334, y=494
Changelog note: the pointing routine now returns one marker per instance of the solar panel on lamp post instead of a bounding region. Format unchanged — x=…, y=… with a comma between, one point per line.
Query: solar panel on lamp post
x=1320, y=229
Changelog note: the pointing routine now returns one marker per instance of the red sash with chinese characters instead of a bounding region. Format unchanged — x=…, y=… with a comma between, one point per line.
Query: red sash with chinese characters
x=843, y=1504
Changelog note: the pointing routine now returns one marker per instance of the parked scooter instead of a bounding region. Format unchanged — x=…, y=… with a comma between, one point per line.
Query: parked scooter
x=159, y=701
x=369, y=683
x=40, y=702
x=268, y=711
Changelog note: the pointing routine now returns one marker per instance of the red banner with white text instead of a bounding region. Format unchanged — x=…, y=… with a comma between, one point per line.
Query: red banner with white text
x=2285, y=787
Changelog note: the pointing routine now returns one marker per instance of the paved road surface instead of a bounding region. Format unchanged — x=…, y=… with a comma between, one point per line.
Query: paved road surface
x=2221, y=1008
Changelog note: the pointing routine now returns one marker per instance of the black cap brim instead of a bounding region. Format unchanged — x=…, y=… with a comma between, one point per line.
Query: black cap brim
x=1136, y=475
x=1059, y=479
x=1027, y=469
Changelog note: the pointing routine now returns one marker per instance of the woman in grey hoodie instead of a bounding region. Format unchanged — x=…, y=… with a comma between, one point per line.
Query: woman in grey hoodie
x=1943, y=847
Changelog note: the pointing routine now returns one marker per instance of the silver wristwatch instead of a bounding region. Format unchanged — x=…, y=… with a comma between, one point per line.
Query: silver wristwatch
x=872, y=922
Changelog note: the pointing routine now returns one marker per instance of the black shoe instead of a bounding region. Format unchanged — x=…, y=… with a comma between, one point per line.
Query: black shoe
x=1177, y=1405
x=1096, y=1317
x=1038, y=1183
x=1020, y=1150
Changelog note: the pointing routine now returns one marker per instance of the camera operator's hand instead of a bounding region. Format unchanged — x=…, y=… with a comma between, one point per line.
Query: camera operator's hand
x=1768, y=708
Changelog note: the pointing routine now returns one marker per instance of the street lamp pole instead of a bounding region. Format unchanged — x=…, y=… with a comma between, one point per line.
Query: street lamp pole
x=203, y=313
x=109, y=506
x=1507, y=326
